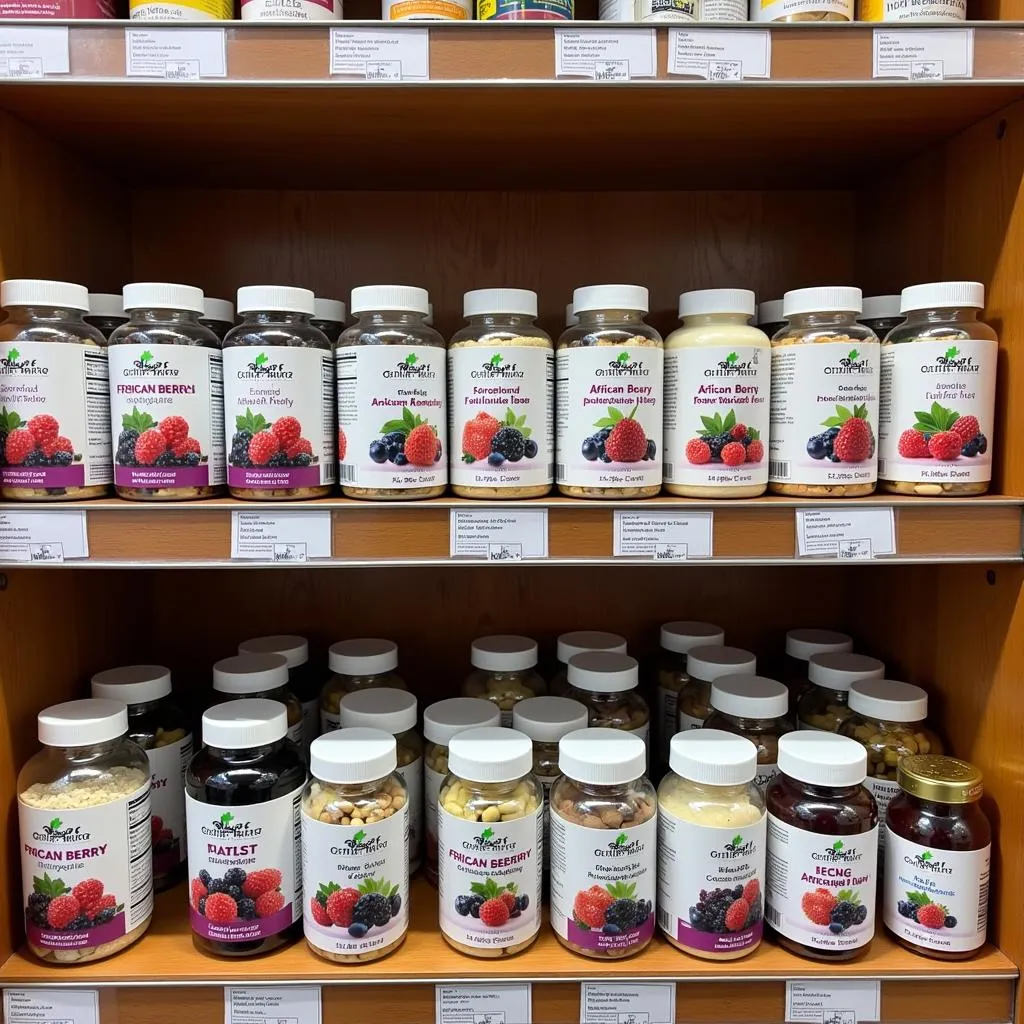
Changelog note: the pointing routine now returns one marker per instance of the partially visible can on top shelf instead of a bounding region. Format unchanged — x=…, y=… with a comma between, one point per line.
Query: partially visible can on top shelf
x=426, y=10
x=181, y=10
x=524, y=10
x=667, y=10
x=291, y=10
x=63, y=9
x=911, y=10
x=801, y=10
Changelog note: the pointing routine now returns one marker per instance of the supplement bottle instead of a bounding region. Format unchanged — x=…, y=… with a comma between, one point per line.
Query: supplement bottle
x=939, y=386
x=357, y=665
x=703, y=666
x=822, y=848
x=106, y=312
x=355, y=848
x=501, y=379
x=297, y=10
x=881, y=313
x=218, y=315
x=919, y=11
x=489, y=844
x=243, y=797
x=329, y=316
x=83, y=817
x=161, y=728
x=608, y=397
x=937, y=867
x=576, y=643
x=392, y=405
x=605, y=683
x=441, y=721
x=801, y=10
x=824, y=703
x=711, y=846
x=259, y=675
x=717, y=385
x=166, y=397
x=801, y=646
x=825, y=378
x=769, y=317
x=524, y=10
x=180, y=10
x=604, y=831
x=279, y=397
x=54, y=396
x=505, y=672
x=425, y=10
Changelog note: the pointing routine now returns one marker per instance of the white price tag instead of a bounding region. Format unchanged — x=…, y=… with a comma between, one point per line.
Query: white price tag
x=611, y=55
x=280, y=536
x=720, y=56
x=272, y=1004
x=22, y=67
x=181, y=54
x=664, y=536
x=34, y=51
x=845, y=533
x=641, y=1003
x=43, y=536
x=833, y=1001
x=498, y=534
x=483, y=1004
x=923, y=54
x=381, y=54
x=51, y=1006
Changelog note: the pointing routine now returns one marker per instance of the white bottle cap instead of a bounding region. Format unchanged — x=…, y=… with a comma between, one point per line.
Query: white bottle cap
x=352, y=756
x=582, y=640
x=106, y=304
x=363, y=657
x=888, y=700
x=220, y=310
x=294, y=649
x=250, y=673
x=802, y=643
x=610, y=296
x=447, y=718
x=880, y=307
x=244, y=724
x=602, y=757
x=79, y=723
x=371, y=298
x=159, y=295
x=383, y=707
x=548, y=719
x=329, y=309
x=132, y=684
x=942, y=295
x=832, y=299
x=32, y=292
x=749, y=697
x=717, y=300
x=713, y=757
x=499, y=300
x=822, y=758
x=838, y=671
x=710, y=662
x=571, y=319
x=274, y=298
x=770, y=312
x=679, y=637
x=503, y=652
x=490, y=755
x=603, y=672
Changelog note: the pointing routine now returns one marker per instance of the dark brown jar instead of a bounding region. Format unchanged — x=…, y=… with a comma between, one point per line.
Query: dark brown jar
x=822, y=848
x=939, y=845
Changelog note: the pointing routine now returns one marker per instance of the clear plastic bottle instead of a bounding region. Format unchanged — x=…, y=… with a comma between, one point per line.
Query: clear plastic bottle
x=703, y=666
x=504, y=671
x=881, y=313
x=106, y=312
x=360, y=664
x=801, y=646
x=611, y=354
x=391, y=359
x=605, y=683
x=218, y=315
x=576, y=643
x=501, y=379
x=329, y=316
x=824, y=703
x=54, y=398
x=769, y=317
x=801, y=10
x=276, y=361
x=259, y=675
x=167, y=447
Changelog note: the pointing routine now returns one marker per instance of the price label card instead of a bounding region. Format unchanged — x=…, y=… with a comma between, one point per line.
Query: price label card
x=833, y=1001
x=381, y=54
x=664, y=536
x=609, y=55
x=51, y=1006
x=180, y=54
x=641, y=1003
x=923, y=54
x=719, y=56
x=30, y=51
x=499, y=534
x=280, y=536
x=483, y=1004
x=845, y=533
x=42, y=537
x=270, y=1004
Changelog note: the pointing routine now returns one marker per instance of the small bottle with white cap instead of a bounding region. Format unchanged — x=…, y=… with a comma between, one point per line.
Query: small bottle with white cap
x=392, y=397
x=703, y=666
x=608, y=412
x=355, y=847
x=106, y=312
x=604, y=838
x=605, y=683
x=489, y=844
x=881, y=313
x=824, y=704
x=218, y=315
x=801, y=644
x=166, y=396
x=83, y=816
x=259, y=675
x=711, y=846
x=504, y=672
x=822, y=848
x=329, y=316
x=361, y=664
x=825, y=387
x=243, y=801
x=501, y=371
x=577, y=642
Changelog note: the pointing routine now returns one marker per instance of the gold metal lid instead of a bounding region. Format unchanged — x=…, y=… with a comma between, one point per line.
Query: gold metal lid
x=944, y=780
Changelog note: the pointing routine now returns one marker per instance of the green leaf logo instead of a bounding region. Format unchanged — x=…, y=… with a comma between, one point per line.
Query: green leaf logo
x=146, y=357
x=731, y=358
x=854, y=355
x=620, y=839
x=13, y=355
x=359, y=836
x=622, y=357
x=497, y=359
x=837, y=845
x=410, y=359
x=56, y=824
x=927, y=855
x=951, y=353
x=226, y=818
x=261, y=359
x=486, y=834
x=737, y=840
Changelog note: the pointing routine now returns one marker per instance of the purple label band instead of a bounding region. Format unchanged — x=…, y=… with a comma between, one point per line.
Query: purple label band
x=713, y=942
x=43, y=476
x=241, y=931
x=274, y=477
x=50, y=938
x=161, y=476
x=595, y=939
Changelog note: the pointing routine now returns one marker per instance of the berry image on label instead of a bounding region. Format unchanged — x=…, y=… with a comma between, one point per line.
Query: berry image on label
x=90, y=914
x=497, y=441
x=611, y=909
x=237, y=897
x=38, y=443
x=942, y=433
x=834, y=911
x=619, y=438
x=724, y=440
x=409, y=441
x=848, y=437
x=356, y=909
x=918, y=907
x=167, y=851
x=271, y=454
x=144, y=441
x=492, y=904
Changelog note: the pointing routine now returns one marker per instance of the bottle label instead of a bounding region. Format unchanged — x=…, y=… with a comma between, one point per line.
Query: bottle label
x=603, y=885
x=937, y=899
x=491, y=868
x=937, y=409
x=820, y=889
x=279, y=407
x=723, y=10
x=254, y=852
x=432, y=790
x=779, y=10
x=689, y=722
x=167, y=415
x=609, y=415
x=668, y=719
x=329, y=721
x=412, y=776
x=87, y=874
x=502, y=418
x=717, y=396
x=427, y=10
x=167, y=766
x=291, y=10
x=182, y=10
x=883, y=791
x=357, y=879
x=54, y=415
x=710, y=883
x=912, y=10
x=392, y=416
x=824, y=413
